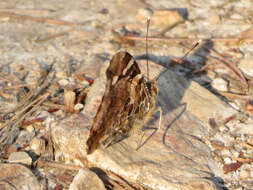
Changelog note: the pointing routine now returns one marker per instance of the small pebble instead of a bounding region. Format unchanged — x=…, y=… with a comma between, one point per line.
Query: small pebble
x=38, y=145
x=215, y=19
x=225, y=153
x=219, y=84
x=78, y=107
x=63, y=82
x=227, y=160
x=236, y=16
x=30, y=128
x=246, y=65
x=244, y=174
x=143, y=14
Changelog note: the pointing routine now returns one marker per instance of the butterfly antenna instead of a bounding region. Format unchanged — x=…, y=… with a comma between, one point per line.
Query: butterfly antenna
x=192, y=48
x=181, y=59
x=148, y=21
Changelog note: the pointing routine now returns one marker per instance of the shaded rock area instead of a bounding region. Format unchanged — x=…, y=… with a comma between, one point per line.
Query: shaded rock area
x=53, y=58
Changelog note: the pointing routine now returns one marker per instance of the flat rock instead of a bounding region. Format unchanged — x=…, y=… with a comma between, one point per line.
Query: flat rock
x=16, y=176
x=198, y=101
x=174, y=157
x=86, y=180
x=20, y=157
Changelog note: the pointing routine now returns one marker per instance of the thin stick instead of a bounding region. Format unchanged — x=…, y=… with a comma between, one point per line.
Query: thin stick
x=148, y=21
x=37, y=19
x=232, y=39
x=18, y=86
x=30, y=11
x=192, y=48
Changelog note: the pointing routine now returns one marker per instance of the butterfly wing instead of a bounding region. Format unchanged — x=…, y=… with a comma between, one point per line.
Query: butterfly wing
x=116, y=103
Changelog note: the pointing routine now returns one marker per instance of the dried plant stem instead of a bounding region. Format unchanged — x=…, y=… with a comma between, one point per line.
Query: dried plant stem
x=18, y=86
x=234, y=96
x=176, y=40
x=37, y=19
x=31, y=11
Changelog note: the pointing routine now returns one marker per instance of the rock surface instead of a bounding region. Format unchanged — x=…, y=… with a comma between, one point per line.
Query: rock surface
x=177, y=153
x=71, y=40
x=16, y=176
x=21, y=158
x=86, y=180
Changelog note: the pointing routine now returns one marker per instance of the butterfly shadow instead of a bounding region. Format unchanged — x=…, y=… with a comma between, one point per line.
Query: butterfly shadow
x=172, y=88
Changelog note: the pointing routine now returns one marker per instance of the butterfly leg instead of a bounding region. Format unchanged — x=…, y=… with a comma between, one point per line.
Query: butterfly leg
x=146, y=119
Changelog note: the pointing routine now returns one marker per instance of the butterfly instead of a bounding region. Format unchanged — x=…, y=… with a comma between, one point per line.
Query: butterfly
x=129, y=101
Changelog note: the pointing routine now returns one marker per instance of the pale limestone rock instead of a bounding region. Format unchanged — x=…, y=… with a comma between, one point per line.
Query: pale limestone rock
x=246, y=65
x=198, y=101
x=16, y=176
x=20, y=157
x=214, y=19
x=251, y=173
x=86, y=180
x=144, y=14
x=63, y=82
x=220, y=84
x=25, y=137
x=244, y=174
x=166, y=18
x=78, y=107
x=236, y=16
x=38, y=145
x=30, y=128
x=242, y=129
x=227, y=160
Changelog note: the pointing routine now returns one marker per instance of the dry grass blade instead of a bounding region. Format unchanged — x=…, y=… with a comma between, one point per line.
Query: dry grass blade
x=32, y=101
x=175, y=40
x=233, y=96
x=33, y=11
x=18, y=86
x=19, y=116
x=52, y=105
x=37, y=19
x=50, y=37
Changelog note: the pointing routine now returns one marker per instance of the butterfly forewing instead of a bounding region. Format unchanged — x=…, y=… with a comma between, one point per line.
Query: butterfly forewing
x=127, y=98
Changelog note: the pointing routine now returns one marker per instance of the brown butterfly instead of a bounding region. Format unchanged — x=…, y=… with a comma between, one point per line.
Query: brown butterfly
x=128, y=102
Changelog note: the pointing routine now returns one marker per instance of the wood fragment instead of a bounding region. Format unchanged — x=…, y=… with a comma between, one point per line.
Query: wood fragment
x=243, y=160
x=227, y=168
x=228, y=119
x=234, y=96
x=69, y=101
x=249, y=106
x=32, y=121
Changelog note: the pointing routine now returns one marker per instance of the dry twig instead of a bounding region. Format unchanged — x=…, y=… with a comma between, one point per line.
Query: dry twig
x=37, y=19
